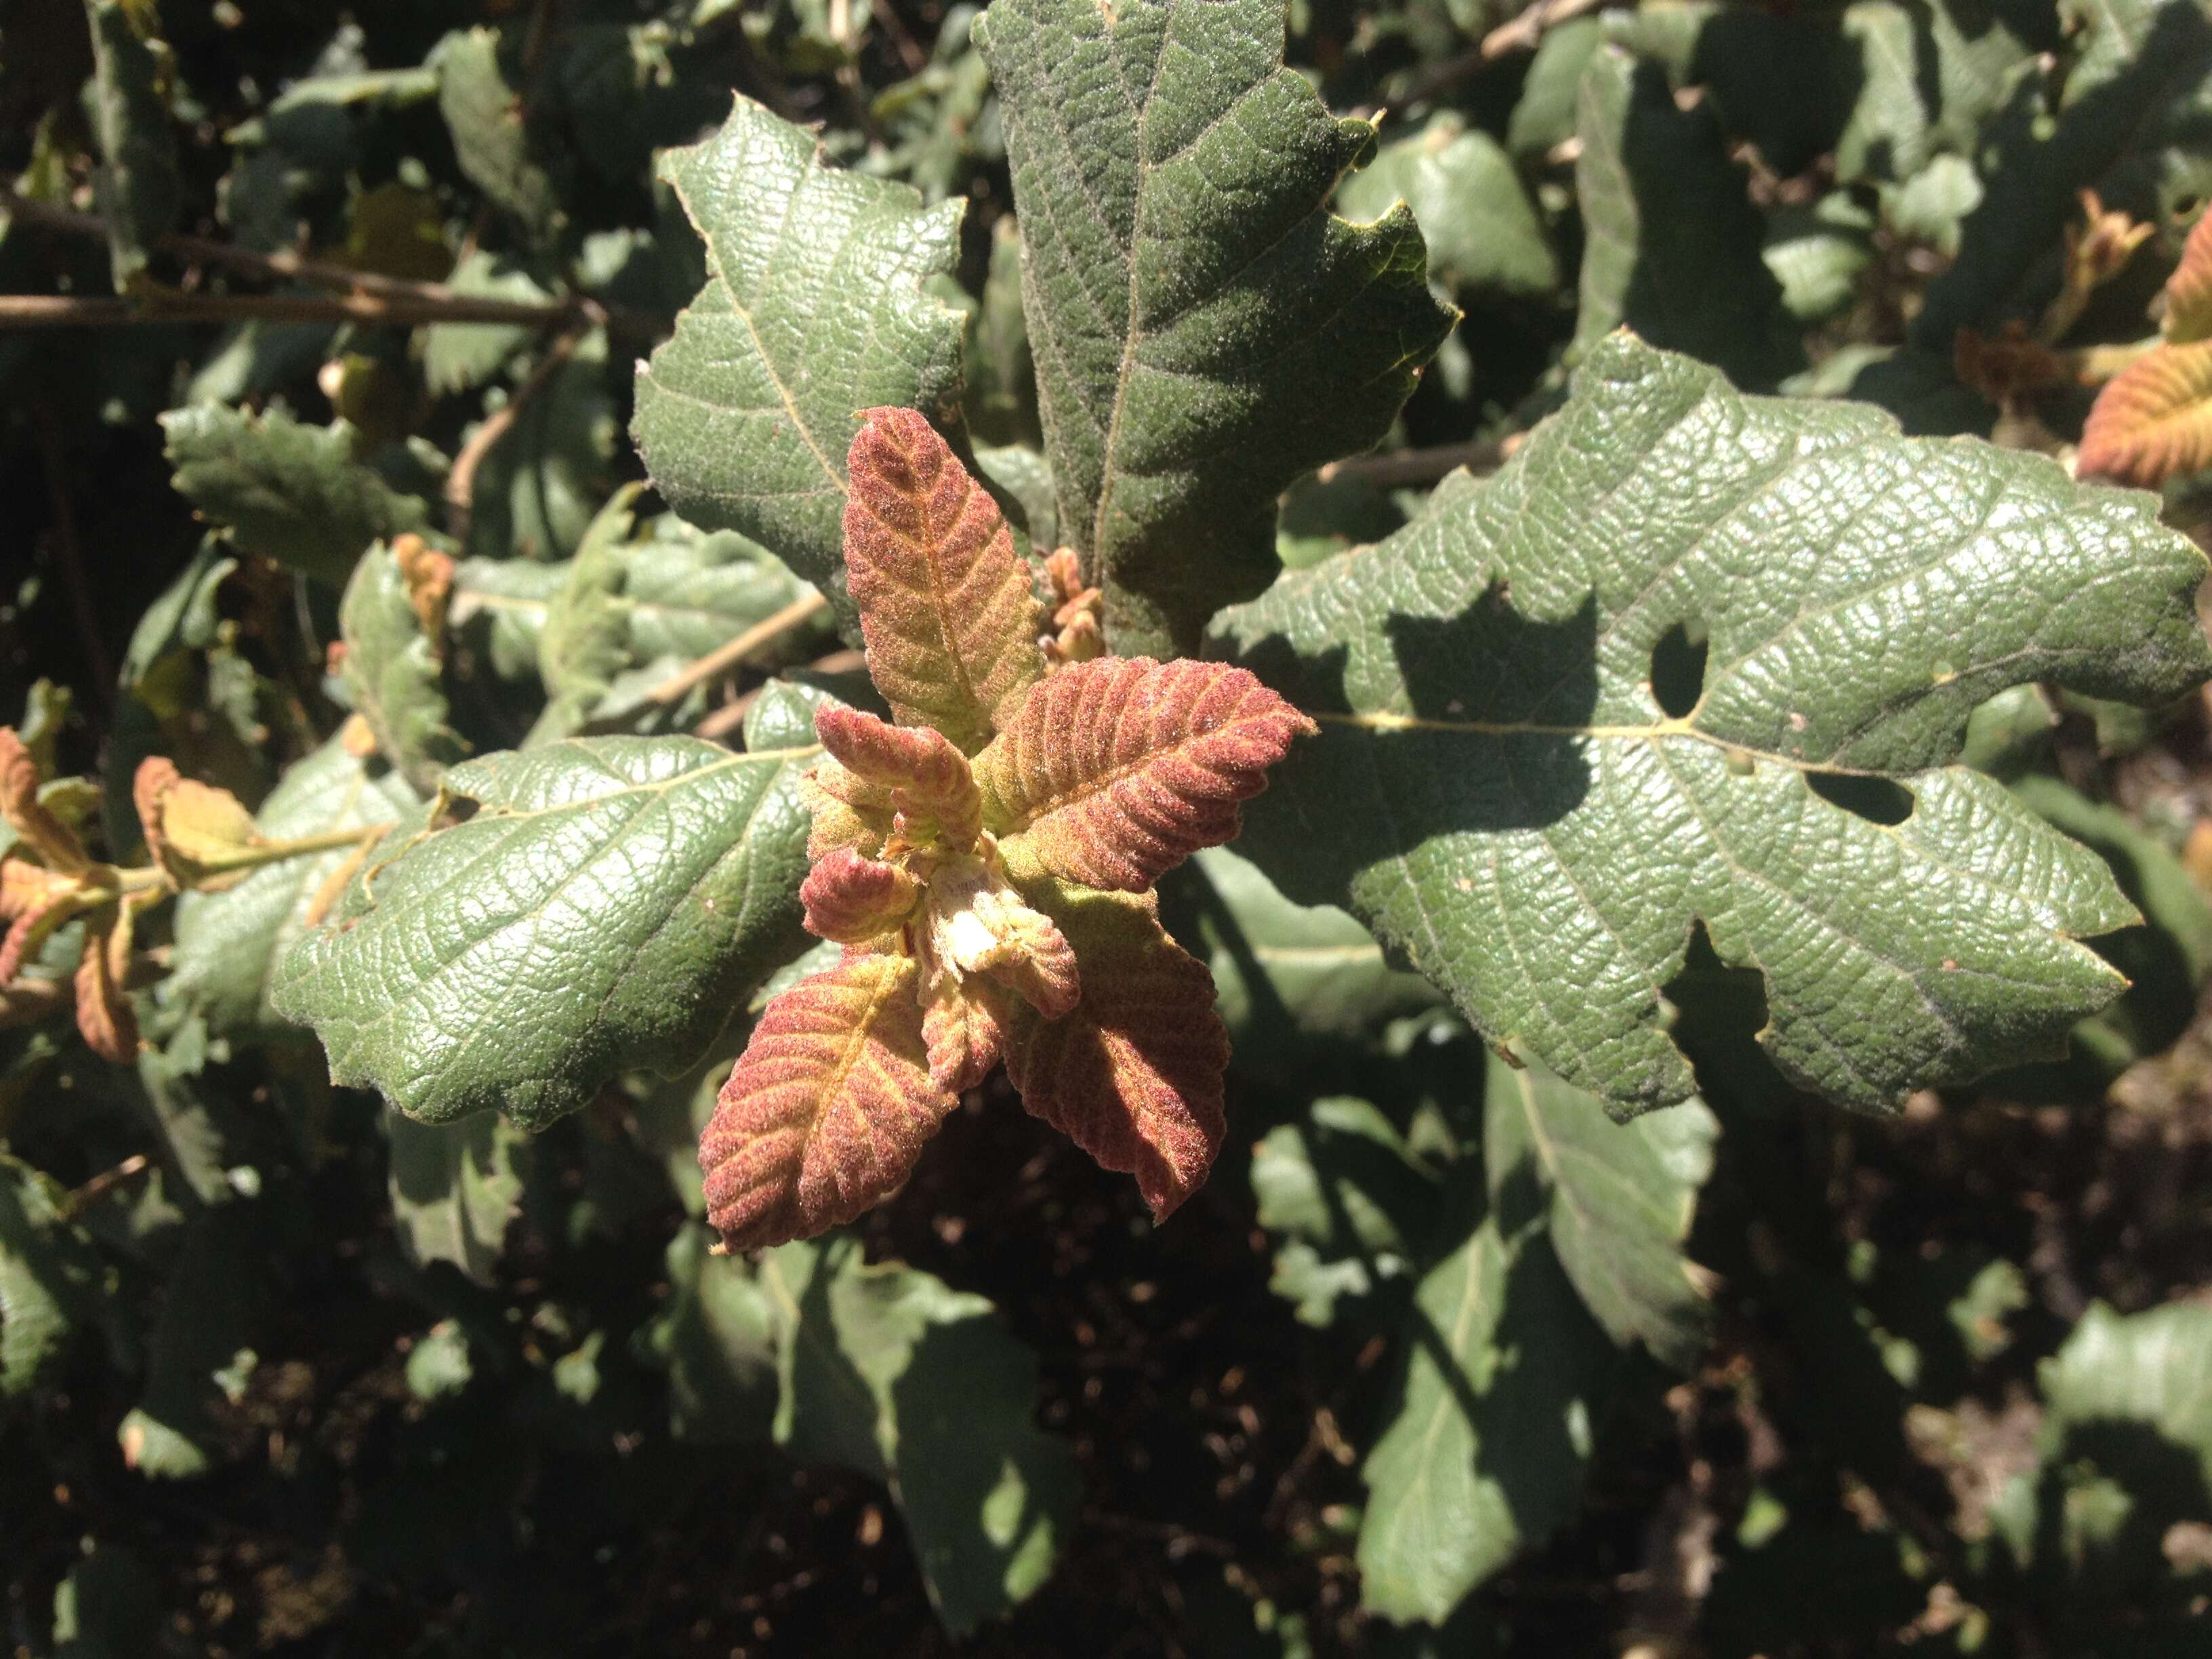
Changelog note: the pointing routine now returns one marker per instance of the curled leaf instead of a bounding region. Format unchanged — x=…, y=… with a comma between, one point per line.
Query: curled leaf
x=46, y=835
x=428, y=575
x=1134, y=1075
x=947, y=610
x=2154, y=421
x=978, y=924
x=909, y=770
x=194, y=831
x=827, y=1108
x=852, y=899
x=1113, y=771
x=104, y=1014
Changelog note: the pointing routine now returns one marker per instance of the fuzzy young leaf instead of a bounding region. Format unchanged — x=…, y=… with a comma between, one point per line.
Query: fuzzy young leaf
x=1204, y=329
x=1618, y=1199
x=2153, y=421
x=290, y=492
x=1134, y=1075
x=1113, y=771
x=137, y=185
x=813, y=309
x=827, y=1110
x=950, y=616
x=1503, y=796
x=621, y=895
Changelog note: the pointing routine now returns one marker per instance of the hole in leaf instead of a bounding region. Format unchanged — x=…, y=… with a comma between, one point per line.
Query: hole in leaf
x=1876, y=799
x=1677, y=670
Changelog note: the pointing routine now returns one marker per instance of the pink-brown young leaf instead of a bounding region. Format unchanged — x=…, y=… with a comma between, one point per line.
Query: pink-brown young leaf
x=947, y=608
x=1113, y=771
x=55, y=844
x=925, y=777
x=826, y=1110
x=964, y=1027
x=1134, y=1075
x=852, y=899
x=2189, y=290
x=2153, y=421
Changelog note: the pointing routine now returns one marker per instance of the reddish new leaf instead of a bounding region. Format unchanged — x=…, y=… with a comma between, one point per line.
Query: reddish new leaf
x=963, y=1027
x=2154, y=421
x=947, y=609
x=827, y=1108
x=55, y=844
x=853, y=899
x=2189, y=290
x=1113, y=771
x=104, y=1014
x=1134, y=1075
x=904, y=769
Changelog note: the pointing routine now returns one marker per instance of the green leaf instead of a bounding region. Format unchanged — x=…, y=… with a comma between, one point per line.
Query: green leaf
x=1481, y=229
x=813, y=310
x=50, y=1279
x=495, y=146
x=678, y=594
x=1500, y=793
x=137, y=185
x=1491, y=1430
x=292, y=493
x=1002, y=399
x=891, y=1371
x=1287, y=971
x=1354, y=1202
x=541, y=486
x=200, y=1359
x=454, y=1187
x=716, y=1337
x=499, y=608
x=392, y=670
x=228, y=944
x=1204, y=329
x=1672, y=241
x=1544, y=118
x=459, y=356
x=605, y=903
x=1617, y=1198
x=2146, y=1368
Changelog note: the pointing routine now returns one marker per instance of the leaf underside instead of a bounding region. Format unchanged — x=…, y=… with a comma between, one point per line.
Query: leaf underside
x=1518, y=813
x=1205, y=330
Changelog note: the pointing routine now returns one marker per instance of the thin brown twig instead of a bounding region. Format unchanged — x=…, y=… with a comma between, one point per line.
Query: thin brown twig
x=416, y=301
x=1519, y=33
x=1416, y=467
x=723, y=660
x=74, y=1206
x=732, y=714
x=158, y=306
x=461, y=477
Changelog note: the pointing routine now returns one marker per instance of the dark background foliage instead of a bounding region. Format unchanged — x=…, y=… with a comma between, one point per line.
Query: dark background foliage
x=315, y=1400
